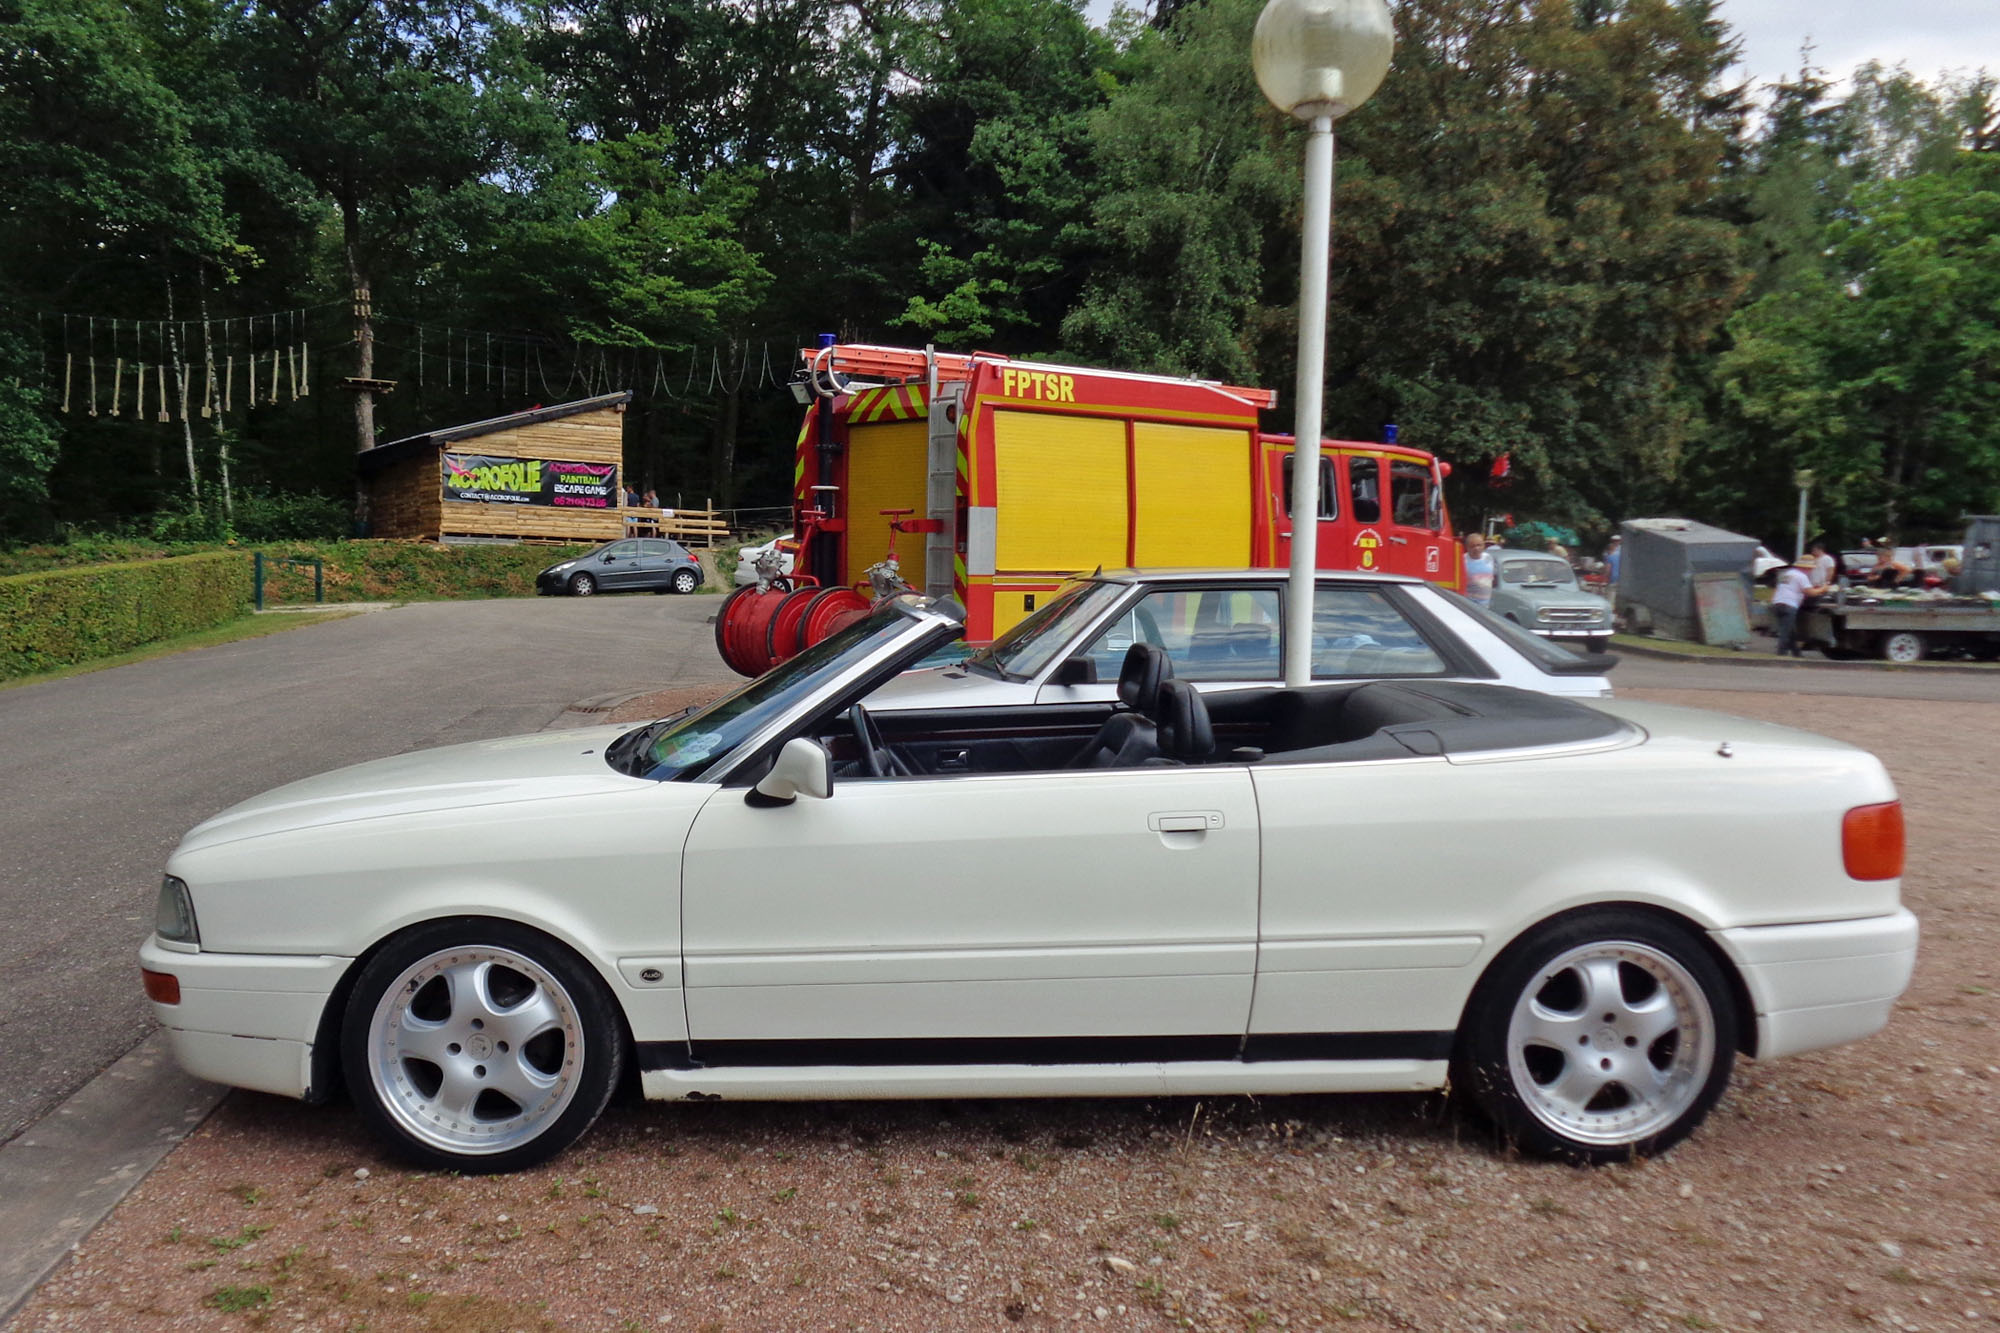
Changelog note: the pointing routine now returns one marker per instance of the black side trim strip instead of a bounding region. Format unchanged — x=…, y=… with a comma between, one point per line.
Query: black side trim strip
x=909, y=1051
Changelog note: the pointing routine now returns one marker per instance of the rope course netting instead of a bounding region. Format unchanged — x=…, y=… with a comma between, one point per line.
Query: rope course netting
x=162, y=370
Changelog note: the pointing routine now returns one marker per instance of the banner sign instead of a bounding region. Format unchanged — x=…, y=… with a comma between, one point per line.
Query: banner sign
x=530, y=481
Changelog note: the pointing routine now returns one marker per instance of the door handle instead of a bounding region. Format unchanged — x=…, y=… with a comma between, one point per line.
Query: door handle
x=1400, y=541
x=1184, y=821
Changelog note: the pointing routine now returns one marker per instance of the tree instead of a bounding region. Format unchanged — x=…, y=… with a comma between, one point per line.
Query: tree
x=1883, y=373
x=994, y=156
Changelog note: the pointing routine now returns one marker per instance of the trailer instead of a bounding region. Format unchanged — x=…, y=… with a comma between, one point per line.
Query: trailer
x=1004, y=478
x=1908, y=625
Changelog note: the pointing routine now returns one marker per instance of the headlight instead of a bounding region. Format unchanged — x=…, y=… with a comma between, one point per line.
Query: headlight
x=173, y=915
x=557, y=569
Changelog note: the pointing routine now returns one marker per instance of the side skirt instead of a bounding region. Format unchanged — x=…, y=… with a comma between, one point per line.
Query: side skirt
x=1141, y=1079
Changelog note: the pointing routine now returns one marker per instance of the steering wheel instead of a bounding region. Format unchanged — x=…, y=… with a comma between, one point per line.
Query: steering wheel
x=877, y=759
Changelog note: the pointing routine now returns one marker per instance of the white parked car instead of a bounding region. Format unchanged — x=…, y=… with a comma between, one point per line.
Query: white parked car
x=1579, y=914
x=1224, y=629
x=747, y=557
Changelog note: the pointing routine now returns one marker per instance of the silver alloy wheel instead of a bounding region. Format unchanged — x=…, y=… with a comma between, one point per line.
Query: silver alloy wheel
x=686, y=582
x=1611, y=1043
x=475, y=1050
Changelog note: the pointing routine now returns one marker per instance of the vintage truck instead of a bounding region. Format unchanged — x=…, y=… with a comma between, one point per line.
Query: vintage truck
x=1906, y=625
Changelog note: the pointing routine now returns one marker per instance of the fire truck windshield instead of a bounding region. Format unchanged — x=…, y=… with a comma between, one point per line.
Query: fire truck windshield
x=1022, y=652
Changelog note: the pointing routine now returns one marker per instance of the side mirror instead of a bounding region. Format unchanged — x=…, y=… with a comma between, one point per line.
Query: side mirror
x=609, y=558
x=1076, y=671
x=803, y=768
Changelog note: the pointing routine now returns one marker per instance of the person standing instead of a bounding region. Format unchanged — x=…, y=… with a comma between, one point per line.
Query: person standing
x=1479, y=570
x=1612, y=556
x=1825, y=567
x=1793, y=587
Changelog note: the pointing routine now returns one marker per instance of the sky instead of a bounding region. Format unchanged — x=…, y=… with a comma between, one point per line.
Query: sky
x=1930, y=36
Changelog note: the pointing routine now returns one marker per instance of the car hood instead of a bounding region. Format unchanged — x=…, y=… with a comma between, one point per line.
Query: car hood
x=950, y=687
x=1554, y=597
x=512, y=768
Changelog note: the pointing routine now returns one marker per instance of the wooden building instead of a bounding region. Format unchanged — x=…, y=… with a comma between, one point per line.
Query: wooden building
x=550, y=474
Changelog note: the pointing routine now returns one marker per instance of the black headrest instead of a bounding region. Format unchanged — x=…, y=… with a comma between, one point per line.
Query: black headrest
x=1146, y=665
x=1184, y=730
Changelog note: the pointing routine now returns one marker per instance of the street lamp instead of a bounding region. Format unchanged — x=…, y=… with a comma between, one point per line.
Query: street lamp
x=1803, y=479
x=1317, y=60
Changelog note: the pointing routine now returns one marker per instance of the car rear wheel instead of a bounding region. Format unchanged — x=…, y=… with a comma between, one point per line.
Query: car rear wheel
x=686, y=581
x=479, y=1046
x=582, y=585
x=1599, y=1037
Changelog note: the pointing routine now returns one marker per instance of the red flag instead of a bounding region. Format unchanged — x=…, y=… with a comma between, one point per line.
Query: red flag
x=1501, y=467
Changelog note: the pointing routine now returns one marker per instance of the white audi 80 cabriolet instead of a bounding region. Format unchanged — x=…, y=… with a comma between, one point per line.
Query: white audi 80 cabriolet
x=1577, y=915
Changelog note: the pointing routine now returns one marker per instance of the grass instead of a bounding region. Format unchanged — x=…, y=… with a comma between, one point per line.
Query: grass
x=249, y=627
x=1679, y=647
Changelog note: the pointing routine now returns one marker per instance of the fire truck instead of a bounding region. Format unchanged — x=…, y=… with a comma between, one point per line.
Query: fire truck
x=993, y=480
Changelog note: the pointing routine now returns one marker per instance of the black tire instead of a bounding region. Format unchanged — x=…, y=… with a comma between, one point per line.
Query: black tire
x=582, y=585
x=686, y=581
x=1597, y=645
x=1609, y=977
x=434, y=1080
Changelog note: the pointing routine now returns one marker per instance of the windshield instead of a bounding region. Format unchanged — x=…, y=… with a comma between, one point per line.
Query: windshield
x=1024, y=650
x=1545, y=654
x=1550, y=570
x=683, y=746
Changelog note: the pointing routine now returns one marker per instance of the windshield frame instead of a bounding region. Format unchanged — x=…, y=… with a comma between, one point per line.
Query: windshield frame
x=896, y=631
x=1081, y=603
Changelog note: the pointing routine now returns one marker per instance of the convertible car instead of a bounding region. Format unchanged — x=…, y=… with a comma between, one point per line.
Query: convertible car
x=1224, y=629
x=1577, y=915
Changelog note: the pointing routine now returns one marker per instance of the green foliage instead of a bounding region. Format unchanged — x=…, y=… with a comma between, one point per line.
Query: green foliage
x=375, y=571
x=66, y=616
x=1882, y=374
x=1557, y=237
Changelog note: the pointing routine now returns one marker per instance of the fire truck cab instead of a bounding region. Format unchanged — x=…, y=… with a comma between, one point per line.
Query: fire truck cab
x=994, y=480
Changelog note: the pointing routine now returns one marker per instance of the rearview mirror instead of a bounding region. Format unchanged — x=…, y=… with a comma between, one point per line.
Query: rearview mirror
x=803, y=768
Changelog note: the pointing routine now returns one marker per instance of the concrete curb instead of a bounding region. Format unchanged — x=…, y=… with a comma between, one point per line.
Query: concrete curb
x=61, y=1175
x=1799, y=664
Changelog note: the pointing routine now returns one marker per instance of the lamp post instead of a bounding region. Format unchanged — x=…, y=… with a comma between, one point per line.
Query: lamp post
x=1317, y=60
x=1803, y=479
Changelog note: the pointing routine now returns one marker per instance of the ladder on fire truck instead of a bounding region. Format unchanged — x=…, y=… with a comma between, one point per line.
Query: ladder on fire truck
x=867, y=365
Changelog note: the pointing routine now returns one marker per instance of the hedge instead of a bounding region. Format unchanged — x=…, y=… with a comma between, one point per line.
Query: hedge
x=403, y=571
x=74, y=615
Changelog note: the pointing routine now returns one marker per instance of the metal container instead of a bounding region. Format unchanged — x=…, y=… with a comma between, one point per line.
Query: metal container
x=1979, y=567
x=1664, y=558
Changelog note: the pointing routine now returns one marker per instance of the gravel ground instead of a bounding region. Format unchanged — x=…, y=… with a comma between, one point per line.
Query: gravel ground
x=1853, y=1188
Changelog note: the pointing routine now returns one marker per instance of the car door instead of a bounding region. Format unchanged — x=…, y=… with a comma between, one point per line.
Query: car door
x=1419, y=543
x=1020, y=910
x=617, y=566
x=655, y=566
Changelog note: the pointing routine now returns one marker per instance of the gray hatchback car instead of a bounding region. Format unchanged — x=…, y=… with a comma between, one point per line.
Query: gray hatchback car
x=1539, y=592
x=653, y=564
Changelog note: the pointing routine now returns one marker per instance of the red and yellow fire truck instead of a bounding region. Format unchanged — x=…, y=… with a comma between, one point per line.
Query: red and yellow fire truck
x=1016, y=475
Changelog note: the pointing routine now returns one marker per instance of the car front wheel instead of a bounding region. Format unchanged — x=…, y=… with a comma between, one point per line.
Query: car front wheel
x=1599, y=1037
x=686, y=581
x=479, y=1046
x=582, y=585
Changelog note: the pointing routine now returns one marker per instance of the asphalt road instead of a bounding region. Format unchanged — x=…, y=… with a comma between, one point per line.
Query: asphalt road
x=104, y=772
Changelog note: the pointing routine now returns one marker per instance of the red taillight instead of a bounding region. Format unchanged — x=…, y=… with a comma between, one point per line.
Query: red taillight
x=162, y=987
x=1871, y=841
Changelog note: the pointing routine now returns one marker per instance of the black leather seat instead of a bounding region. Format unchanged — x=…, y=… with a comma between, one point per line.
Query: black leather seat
x=1129, y=739
x=1185, y=736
